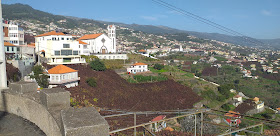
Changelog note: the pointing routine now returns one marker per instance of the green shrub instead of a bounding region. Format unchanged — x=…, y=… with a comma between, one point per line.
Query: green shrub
x=158, y=66
x=91, y=82
x=97, y=65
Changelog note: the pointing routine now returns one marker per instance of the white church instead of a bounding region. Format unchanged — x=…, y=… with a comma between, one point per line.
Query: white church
x=63, y=48
x=101, y=43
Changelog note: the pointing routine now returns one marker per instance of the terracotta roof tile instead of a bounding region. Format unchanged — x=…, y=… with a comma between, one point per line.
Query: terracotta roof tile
x=81, y=42
x=158, y=118
x=142, y=50
x=232, y=114
x=90, y=36
x=8, y=44
x=139, y=64
x=50, y=33
x=61, y=69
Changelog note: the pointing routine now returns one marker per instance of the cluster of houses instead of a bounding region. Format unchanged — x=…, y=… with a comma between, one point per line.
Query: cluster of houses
x=58, y=48
x=63, y=48
x=246, y=105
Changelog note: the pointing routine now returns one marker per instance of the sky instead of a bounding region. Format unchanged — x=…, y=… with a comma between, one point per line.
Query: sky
x=254, y=18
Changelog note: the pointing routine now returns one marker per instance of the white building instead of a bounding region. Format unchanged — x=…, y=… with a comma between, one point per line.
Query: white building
x=12, y=33
x=101, y=43
x=103, y=46
x=138, y=67
x=63, y=75
x=60, y=48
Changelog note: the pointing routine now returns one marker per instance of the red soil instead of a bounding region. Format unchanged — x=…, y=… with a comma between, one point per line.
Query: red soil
x=114, y=92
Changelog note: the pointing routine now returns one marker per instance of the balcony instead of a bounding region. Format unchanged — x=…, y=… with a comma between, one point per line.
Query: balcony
x=55, y=82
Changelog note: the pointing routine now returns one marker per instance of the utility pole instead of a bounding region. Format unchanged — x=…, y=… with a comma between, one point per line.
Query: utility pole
x=3, y=75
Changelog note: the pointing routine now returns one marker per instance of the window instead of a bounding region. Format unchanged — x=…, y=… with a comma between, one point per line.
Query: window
x=17, y=48
x=12, y=48
x=79, y=46
x=66, y=52
x=66, y=45
x=8, y=48
x=67, y=38
x=56, y=52
x=75, y=53
x=62, y=38
x=85, y=46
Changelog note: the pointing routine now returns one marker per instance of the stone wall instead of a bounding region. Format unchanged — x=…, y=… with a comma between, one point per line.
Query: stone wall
x=50, y=110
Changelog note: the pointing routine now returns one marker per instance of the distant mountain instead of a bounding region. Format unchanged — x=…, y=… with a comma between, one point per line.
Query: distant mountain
x=24, y=12
x=238, y=40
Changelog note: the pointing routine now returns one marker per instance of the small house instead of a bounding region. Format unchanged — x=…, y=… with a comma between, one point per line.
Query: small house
x=237, y=99
x=137, y=67
x=63, y=75
x=158, y=125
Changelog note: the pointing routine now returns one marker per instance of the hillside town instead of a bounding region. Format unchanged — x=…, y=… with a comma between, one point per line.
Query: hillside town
x=118, y=70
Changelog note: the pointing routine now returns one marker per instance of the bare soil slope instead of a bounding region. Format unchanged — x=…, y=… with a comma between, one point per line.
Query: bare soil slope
x=114, y=92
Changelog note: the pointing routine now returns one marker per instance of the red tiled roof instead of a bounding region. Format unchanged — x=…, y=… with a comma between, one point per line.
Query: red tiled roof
x=50, y=33
x=8, y=44
x=158, y=118
x=139, y=64
x=142, y=50
x=232, y=114
x=90, y=36
x=61, y=69
x=81, y=42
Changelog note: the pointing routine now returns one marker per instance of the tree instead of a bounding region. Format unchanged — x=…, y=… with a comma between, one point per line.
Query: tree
x=158, y=66
x=40, y=77
x=97, y=65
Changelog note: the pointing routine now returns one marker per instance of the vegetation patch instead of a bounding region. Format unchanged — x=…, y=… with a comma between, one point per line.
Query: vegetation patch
x=158, y=66
x=97, y=65
x=113, y=64
x=144, y=79
x=91, y=82
x=40, y=77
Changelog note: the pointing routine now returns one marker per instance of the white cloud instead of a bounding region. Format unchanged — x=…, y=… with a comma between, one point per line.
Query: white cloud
x=266, y=12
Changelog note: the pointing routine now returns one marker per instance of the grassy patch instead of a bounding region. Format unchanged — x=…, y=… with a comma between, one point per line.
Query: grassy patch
x=157, y=71
x=220, y=58
x=113, y=64
x=144, y=79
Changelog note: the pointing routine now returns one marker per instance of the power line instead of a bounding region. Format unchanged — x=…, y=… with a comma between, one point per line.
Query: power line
x=206, y=21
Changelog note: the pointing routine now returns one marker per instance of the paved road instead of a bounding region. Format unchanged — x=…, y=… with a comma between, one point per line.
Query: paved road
x=12, y=125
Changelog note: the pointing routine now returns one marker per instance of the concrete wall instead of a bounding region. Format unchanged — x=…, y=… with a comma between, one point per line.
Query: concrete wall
x=111, y=56
x=30, y=110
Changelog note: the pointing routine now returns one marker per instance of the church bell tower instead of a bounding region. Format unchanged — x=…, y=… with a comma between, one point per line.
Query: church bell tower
x=112, y=35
